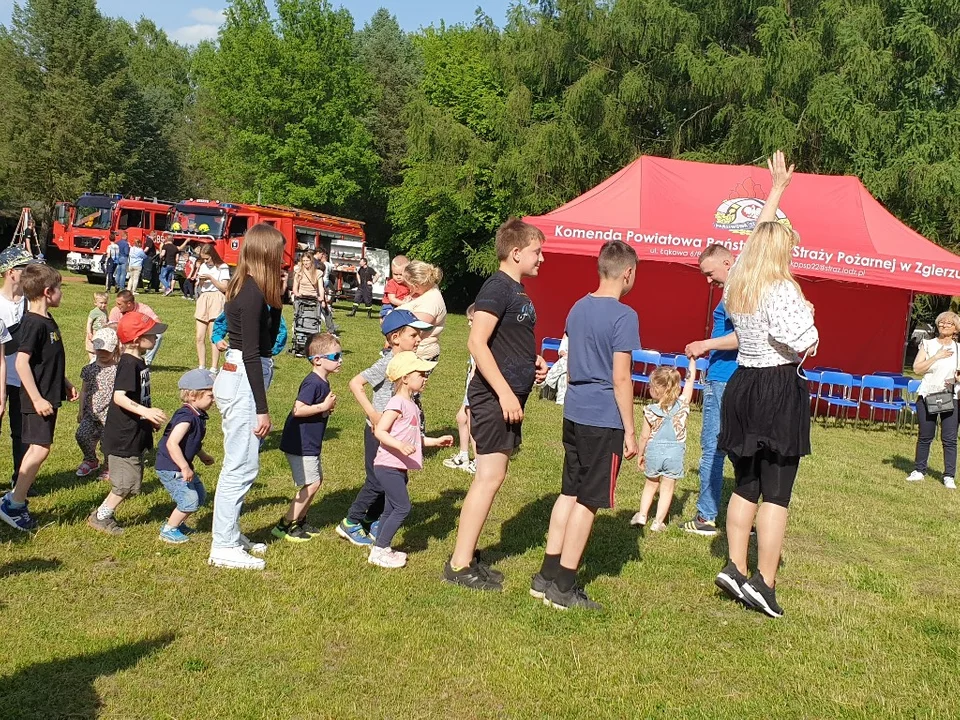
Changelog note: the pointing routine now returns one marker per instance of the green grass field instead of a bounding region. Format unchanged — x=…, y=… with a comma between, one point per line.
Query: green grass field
x=94, y=626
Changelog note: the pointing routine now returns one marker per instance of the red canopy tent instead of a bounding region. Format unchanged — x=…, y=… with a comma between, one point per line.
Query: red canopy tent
x=856, y=262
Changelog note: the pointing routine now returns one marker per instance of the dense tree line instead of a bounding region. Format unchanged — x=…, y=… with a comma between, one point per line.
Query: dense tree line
x=434, y=137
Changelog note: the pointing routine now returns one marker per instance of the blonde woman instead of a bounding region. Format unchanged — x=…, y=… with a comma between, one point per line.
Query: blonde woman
x=213, y=274
x=765, y=425
x=253, y=311
x=938, y=361
x=426, y=302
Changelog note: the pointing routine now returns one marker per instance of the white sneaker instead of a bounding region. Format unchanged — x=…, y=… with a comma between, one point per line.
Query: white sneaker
x=460, y=461
x=235, y=557
x=915, y=476
x=949, y=483
x=638, y=519
x=252, y=547
x=214, y=369
x=657, y=526
x=386, y=558
x=472, y=467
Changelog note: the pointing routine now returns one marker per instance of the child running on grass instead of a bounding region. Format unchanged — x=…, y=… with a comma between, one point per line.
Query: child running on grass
x=402, y=329
x=502, y=343
x=303, y=432
x=182, y=442
x=128, y=433
x=41, y=365
x=96, y=319
x=96, y=394
x=401, y=438
x=663, y=441
x=462, y=461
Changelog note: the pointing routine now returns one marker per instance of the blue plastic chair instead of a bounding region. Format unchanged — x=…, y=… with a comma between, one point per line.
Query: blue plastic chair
x=549, y=344
x=672, y=359
x=910, y=401
x=647, y=360
x=813, y=378
x=873, y=386
x=838, y=386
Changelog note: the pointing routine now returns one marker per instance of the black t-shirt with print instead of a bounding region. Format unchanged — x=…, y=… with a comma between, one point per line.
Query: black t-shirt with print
x=512, y=343
x=126, y=434
x=39, y=337
x=169, y=252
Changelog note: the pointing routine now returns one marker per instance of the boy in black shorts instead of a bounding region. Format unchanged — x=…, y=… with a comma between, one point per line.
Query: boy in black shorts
x=503, y=345
x=41, y=365
x=598, y=428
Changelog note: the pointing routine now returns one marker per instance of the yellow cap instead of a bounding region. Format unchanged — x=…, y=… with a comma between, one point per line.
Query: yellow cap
x=405, y=363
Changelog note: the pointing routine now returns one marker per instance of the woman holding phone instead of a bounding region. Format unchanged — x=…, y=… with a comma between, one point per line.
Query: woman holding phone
x=937, y=361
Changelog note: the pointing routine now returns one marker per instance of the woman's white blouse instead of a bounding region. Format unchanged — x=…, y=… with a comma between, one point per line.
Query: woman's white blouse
x=780, y=329
x=935, y=378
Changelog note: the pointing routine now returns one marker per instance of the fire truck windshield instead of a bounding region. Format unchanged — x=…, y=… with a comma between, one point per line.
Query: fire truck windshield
x=191, y=220
x=93, y=213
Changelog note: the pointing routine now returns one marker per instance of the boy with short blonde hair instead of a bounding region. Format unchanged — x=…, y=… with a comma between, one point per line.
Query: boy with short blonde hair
x=41, y=364
x=396, y=291
x=96, y=319
x=503, y=345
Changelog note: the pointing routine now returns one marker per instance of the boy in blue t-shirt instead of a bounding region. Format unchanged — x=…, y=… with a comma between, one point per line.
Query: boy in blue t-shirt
x=598, y=426
x=302, y=438
x=181, y=443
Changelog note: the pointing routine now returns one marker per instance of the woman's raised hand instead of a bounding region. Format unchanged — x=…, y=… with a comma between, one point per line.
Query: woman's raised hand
x=779, y=171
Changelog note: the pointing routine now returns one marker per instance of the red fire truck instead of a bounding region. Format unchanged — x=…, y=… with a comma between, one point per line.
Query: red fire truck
x=196, y=222
x=82, y=229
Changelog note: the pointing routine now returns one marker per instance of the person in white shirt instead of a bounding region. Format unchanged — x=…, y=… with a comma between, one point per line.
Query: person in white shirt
x=12, y=307
x=765, y=425
x=213, y=276
x=938, y=361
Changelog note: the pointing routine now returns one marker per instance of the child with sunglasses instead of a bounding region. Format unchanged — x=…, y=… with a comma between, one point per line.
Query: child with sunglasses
x=302, y=438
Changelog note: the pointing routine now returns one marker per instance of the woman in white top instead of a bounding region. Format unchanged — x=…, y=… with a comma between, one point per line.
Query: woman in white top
x=765, y=425
x=213, y=276
x=938, y=361
x=427, y=304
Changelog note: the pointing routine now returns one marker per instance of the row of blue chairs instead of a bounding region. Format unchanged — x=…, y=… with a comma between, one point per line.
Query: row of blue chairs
x=849, y=394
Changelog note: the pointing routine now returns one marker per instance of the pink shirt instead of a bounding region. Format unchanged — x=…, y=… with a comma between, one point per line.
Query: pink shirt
x=115, y=313
x=406, y=429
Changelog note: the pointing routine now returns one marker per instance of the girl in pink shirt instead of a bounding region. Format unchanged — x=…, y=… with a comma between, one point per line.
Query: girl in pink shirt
x=401, y=449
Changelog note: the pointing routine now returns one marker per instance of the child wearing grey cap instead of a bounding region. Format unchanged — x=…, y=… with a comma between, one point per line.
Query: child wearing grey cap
x=96, y=394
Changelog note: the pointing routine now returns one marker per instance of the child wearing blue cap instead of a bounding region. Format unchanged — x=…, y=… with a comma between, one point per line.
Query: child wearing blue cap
x=402, y=331
x=181, y=444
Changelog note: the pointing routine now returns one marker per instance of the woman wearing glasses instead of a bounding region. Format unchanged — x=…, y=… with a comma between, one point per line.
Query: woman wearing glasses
x=253, y=309
x=938, y=361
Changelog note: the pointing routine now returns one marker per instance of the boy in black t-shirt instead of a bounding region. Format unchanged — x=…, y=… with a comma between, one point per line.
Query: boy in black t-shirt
x=41, y=365
x=128, y=433
x=303, y=432
x=181, y=443
x=502, y=344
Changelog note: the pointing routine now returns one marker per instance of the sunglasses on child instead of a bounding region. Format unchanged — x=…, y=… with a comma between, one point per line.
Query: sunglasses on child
x=332, y=357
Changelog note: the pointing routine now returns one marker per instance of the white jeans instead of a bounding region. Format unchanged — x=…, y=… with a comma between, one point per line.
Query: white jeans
x=241, y=448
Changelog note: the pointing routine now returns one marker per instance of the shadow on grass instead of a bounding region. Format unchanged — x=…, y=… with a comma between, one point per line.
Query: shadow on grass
x=906, y=465
x=65, y=688
x=29, y=565
x=613, y=543
x=524, y=531
x=434, y=519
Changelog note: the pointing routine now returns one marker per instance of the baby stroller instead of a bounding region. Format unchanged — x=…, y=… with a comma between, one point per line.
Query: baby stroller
x=306, y=322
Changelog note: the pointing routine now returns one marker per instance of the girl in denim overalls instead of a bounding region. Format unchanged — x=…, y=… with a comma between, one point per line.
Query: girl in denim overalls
x=663, y=441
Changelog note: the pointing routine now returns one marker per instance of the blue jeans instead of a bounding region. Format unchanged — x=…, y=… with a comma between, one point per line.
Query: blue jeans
x=241, y=448
x=711, y=462
x=166, y=276
x=120, y=276
x=188, y=496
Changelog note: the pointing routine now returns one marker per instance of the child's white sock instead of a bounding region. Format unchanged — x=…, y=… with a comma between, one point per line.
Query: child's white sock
x=104, y=512
x=13, y=503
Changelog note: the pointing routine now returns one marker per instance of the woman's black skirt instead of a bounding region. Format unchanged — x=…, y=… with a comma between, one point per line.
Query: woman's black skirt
x=766, y=407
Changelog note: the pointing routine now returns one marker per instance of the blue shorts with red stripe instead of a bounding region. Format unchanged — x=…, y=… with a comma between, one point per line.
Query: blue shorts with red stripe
x=591, y=463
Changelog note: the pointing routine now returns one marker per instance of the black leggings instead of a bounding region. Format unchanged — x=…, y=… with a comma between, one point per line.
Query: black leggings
x=765, y=474
x=928, y=430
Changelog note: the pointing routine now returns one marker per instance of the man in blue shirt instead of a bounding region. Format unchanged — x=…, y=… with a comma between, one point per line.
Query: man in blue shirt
x=123, y=259
x=715, y=263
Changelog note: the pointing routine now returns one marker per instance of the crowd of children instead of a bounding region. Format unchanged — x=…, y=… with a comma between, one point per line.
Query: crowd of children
x=116, y=413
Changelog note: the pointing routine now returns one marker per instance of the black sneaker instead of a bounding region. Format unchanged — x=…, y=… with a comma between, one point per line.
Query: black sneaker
x=538, y=586
x=309, y=529
x=576, y=597
x=492, y=573
x=473, y=576
x=762, y=596
x=731, y=581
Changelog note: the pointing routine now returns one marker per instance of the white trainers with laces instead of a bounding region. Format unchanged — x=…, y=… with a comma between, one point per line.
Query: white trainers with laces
x=386, y=558
x=460, y=461
x=657, y=526
x=949, y=483
x=915, y=476
x=638, y=519
x=236, y=558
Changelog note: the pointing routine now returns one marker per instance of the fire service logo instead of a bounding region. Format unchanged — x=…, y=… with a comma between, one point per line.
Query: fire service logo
x=740, y=211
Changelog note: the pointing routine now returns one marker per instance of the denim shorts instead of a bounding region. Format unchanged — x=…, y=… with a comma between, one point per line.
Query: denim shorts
x=664, y=461
x=188, y=496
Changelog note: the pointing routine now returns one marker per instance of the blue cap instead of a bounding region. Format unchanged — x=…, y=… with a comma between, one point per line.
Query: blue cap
x=401, y=318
